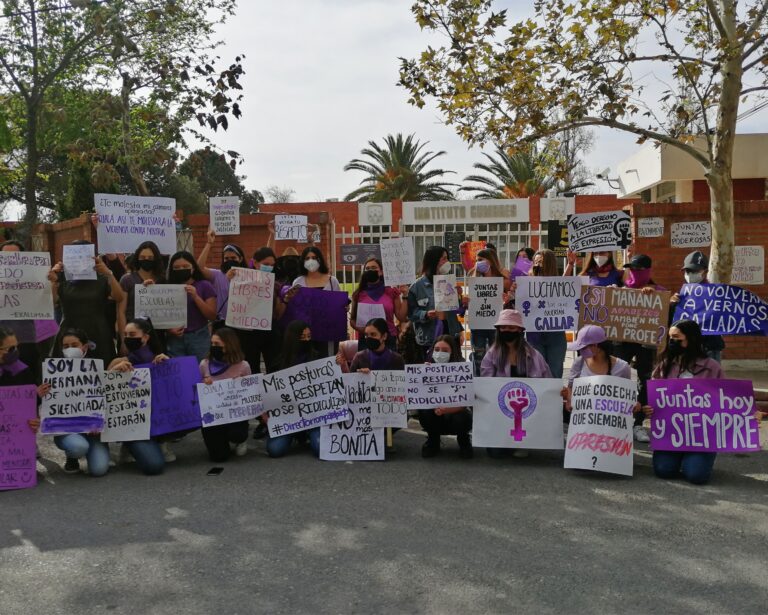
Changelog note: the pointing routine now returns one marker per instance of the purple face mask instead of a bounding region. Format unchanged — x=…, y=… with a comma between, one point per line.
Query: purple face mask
x=482, y=266
x=586, y=353
x=638, y=278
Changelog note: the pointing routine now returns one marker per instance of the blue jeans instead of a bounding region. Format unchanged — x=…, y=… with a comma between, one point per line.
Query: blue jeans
x=481, y=341
x=148, y=456
x=696, y=468
x=191, y=344
x=78, y=445
x=552, y=346
x=278, y=446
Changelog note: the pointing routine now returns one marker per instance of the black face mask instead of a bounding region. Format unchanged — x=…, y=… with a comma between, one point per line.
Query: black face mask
x=147, y=264
x=536, y=269
x=510, y=336
x=305, y=346
x=133, y=343
x=217, y=353
x=227, y=265
x=370, y=277
x=371, y=343
x=179, y=276
x=675, y=347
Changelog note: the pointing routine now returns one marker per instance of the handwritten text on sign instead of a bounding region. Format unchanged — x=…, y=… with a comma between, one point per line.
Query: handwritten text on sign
x=748, y=265
x=486, y=299
x=599, y=231
x=291, y=227
x=127, y=221
x=650, y=227
x=230, y=400
x=439, y=385
x=389, y=408
x=164, y=304
x=225, y=214
x=174, y=403
x=626, y=314
x=398, y=259
x=75, y=402
x=704, y=415
x=25, y=292
x=251, y=300
x=721, y=309
x=600, y=433
x=128, y=397
x=549, y=303
x=690, y=234
x=446, y=295
x=17, y=440
x=303, y=397
x=79, y=262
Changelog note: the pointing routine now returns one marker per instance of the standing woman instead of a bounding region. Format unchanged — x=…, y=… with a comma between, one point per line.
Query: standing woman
x=551, y=344
x=225, y=360
x=194, y=339
x=377, y=353
x=599, y=267
x=147, y=267
x=231, y=256
x=371, y=290
x=428, y=323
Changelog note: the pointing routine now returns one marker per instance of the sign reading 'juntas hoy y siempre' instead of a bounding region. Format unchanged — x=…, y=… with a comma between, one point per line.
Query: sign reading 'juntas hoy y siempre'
x=466, y=212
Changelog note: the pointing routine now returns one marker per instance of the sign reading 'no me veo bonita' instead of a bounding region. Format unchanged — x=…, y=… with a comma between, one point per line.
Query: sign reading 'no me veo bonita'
x=599, y=231
x=127, y=221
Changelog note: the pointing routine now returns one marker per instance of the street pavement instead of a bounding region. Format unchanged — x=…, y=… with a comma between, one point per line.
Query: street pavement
x=443, y=535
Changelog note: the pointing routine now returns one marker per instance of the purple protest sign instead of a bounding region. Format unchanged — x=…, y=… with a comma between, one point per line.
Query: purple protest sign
x=721, y=309
x=174, y=395
x=522, y=267
x=17, y=441
x=325, y=311
x=45, y=329
x=703, y=415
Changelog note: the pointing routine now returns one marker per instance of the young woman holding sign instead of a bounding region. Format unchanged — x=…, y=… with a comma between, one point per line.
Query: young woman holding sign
x=13, y=371
x=231, y=256
x=446, y=421
x=599, y=267
x=376, y=353
x=371, y=291
x=147, y=266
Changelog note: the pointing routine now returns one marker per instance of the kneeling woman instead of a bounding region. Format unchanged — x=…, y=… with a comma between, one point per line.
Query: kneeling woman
x=377, y=353
x=446, y=421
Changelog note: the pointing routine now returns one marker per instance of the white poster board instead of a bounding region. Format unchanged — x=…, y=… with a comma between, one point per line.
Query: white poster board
x=369, y=311
x=549, y=303
x=291, y=227
x=446, y=294
x=251, y=300
x=600, y=433
x=25, y=291
x=690, y=234
x=398, y=259
x=599, y=231
x=650, y=227
x=439, y=385
x=79, y=262
x=486, y=300
x=164, y=304
x=230, y=400
x=225, y=214
x=75, y=402
x=748, y=266
x=126, y=221
x=128, y=400
x=518, y=413
x=388, y=398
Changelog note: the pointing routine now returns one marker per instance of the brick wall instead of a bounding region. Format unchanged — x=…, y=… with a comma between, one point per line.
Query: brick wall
x=743, y=190
x=751, y=230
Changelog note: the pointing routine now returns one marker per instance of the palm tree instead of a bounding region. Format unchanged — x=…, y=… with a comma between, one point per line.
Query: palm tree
x=396, y=171
x=518, y=175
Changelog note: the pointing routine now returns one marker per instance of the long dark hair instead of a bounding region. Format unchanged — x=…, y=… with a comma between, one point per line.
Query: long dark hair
x=548, y=263
x=145, y=326
x=690, y=354
x=6, y=332
x=233, y=352
x=320, y=259
x=591, y=266
x=292, y=352
x=431, y=259
x=362, y=285
x=197, y=274
x=159, y=270
x=231, y=247
x=493, y=259
x=12, y=242
x=264, y=252
x=455, y=351
x=503, y=358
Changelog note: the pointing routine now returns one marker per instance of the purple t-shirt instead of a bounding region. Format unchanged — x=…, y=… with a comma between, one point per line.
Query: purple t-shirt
x=195, y=318
x=613, y=278
x=221, y=287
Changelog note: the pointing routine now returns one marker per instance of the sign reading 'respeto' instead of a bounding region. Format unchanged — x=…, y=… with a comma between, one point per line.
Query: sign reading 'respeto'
x=127, y=221
x=600, y=231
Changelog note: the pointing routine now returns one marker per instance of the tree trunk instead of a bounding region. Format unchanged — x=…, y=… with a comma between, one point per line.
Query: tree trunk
x=30, y=179
x=721, y=214
x=130, y=158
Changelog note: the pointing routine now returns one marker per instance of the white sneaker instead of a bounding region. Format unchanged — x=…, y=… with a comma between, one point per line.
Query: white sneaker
x=641, y=433
x=241, y=449
x=168, y=454
x=520, y=453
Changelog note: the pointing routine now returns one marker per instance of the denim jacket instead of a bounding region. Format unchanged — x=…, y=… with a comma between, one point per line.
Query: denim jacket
x=421, y=299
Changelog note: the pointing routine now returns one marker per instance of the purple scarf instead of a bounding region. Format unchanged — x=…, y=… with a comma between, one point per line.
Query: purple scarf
x=14, y=368
x=375, y=291
x=380, y=360
x=141, y=356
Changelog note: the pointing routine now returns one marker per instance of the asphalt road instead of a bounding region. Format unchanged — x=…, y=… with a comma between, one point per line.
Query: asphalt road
x=443, y=535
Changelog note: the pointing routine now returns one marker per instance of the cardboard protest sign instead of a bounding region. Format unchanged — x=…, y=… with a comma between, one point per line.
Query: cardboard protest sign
x=722, y=309
x=18, y=450
x=748, y=265
x=518, y=413
x=174, y=399
x=230, y=400
x=225, y=214
x=369, y=311
x=446, y=295
x=650, y=227
x=75, y=403
x=164, y=304
x=128, y=397
x=439, y=385
x=325, y=311
x=359, y=253
x=690, y=234
x=127, y=221
x=355, y=438
x=79, y=262
x=703, y=415
x=304, y=397
x=599, y=231
x=626, y=314
x=600, y=433
x=522, y=267
x=251, y=300
x=399, y=261
x=25, y=292
x=549, y=303
x=291, y=227
x=388, y=407
x=486, y=300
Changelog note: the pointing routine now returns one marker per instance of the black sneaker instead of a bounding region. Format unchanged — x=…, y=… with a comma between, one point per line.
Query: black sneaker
x=431, y=448
x=260, y=431
x=71, y=466
x=465, y=446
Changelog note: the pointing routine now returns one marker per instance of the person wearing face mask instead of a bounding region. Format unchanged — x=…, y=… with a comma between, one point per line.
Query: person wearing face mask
x=428, y=323
x=194, y=339
x=511, y=356
x=684, y=357
x=372, y=290
x=231, y=256
x=599, y=267
x=146, y=267
x=694, y=270
x=446, y=421
x=297, y=349
x=376, y=353
x=225, y=360
x=13, y=371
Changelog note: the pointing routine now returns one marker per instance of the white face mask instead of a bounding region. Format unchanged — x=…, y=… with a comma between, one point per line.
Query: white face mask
x=693, y=278
x=444, y=269
x=73, y=353
x=601, y=260
x=441, y=356
x=311, y=265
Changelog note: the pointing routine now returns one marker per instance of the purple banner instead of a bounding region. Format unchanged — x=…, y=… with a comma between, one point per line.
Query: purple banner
x=721, y=309
x=522, y=267
x=703, y=415
x=174, y=395
x=17, y=441
x=45, y=329
x=325, y=311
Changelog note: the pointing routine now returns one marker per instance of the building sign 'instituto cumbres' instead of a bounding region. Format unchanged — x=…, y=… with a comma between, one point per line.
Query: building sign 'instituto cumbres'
x=466, y=212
